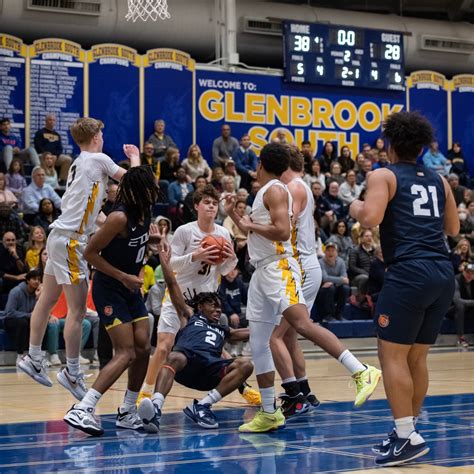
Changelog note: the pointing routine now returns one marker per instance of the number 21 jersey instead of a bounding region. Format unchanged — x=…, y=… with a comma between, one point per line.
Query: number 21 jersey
x=413, y=225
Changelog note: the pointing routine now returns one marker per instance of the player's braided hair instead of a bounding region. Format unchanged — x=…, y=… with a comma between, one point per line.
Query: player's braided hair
x=138, y=192
x=408, y=133
x=203, y=297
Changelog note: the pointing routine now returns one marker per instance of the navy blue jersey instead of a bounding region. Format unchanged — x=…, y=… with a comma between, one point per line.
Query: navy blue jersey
x=126, y=253
x=413, y=225
x=199, y=335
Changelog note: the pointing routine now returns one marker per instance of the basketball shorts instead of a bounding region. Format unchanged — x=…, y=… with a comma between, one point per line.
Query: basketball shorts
x=66, y=260
x=415, y=297
x=203, y=371
x=169, y=320
x=116, y=304
x=311, y=277
x=273, y=288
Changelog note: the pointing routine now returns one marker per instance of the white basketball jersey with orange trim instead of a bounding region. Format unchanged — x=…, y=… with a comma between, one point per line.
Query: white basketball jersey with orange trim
x=81, y=203
x=259, y=247
x=198, y=276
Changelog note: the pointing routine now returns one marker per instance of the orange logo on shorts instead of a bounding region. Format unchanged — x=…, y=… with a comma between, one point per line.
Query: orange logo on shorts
x=383, y=320
x=108, y=310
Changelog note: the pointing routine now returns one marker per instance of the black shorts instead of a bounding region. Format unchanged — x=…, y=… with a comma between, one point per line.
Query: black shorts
x=415, y=297
x=202, y=372
x=115, y=304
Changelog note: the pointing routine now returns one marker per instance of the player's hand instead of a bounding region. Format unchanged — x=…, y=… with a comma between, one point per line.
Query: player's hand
x=206, y=254
x=228, y=251
x=245, y=223
x=234, y=320
x=131, y=151
x=164, y=252
x=132, y=282
x=229, y=203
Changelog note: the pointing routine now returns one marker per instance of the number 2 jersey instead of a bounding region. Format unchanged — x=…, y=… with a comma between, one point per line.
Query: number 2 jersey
x=196, y=277
x=84, y=194
x=413, y=225
x=202, y=337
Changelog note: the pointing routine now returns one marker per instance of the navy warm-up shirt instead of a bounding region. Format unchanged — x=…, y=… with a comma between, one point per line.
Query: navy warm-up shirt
x=413, y=225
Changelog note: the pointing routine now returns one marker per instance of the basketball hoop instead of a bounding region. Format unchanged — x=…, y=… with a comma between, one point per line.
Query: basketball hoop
x=147, y=9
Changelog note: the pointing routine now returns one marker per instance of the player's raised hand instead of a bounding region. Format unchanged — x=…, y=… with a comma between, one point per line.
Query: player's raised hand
x=245, y=223
x=131, y=152
x=164, y=252
x=132, y=282
x=229, y=203
x=158, y=236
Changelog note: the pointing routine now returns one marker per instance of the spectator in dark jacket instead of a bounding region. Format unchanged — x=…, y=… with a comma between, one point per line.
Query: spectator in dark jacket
x=160, y=141
x=336, y=204
x=360, y=260
x=376, y=274
x=245, y=161
x=463, y=302
x=20, y=304
x=11, y=222
x=12, y=263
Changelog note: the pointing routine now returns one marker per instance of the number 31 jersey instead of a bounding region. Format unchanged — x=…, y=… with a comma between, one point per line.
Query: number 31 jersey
x=413, y=225
x=81, y=203
x=196, y=277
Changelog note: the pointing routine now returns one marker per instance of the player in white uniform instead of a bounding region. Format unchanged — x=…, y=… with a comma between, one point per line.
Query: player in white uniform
x=275, y=287
x=195, y=273
x=66, y=269
x=286, y=351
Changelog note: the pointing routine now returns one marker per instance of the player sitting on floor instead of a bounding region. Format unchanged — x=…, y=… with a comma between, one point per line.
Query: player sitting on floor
x=196, y=359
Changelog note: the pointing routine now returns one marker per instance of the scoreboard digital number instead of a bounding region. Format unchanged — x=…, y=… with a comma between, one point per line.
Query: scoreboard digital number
x=335, y=55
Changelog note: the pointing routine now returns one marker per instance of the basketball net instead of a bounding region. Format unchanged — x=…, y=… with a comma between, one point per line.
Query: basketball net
x=147, y=9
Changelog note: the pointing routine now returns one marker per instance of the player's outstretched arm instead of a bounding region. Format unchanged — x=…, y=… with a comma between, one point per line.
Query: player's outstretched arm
x=381, y=186
x=115, y=224
x=237, y=335
x=451, y=217
x=176, y=296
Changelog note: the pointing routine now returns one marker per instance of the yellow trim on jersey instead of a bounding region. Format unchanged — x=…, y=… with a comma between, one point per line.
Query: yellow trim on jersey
x=116, y=322
x=73, y=262
x=296, y=253
x=280, y=250
x=140, y=318
x=90, y=207
x=290, y=286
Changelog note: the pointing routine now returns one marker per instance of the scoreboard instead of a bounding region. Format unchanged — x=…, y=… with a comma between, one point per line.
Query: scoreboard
x=323, y=54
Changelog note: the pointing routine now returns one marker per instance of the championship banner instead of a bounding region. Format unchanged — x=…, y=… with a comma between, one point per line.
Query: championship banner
x=427, y=92
x=114, y=78
x=462, y=106
x=12, y=82
x=260, y=105
x=56, y=85
x=169, y=95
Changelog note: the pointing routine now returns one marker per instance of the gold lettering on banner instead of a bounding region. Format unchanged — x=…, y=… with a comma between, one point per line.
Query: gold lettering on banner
x=428, y=77
x=169, y=55
x=114, y=51
x=57, y=46
x=463, y=80
x=9, y=42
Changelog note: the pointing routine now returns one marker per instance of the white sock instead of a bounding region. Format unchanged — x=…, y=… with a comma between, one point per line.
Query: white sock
x=129, y=400
x=302, y=379
x=351, y=363
x=404, y=426
x=289, y=379
x=268, y=399
x=158, y=399
x=73, y=366
x=35, y=353
x=148, y=388
x=90, y=400
x=212, y=397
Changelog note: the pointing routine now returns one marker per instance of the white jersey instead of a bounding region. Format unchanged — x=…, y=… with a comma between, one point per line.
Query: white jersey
x=84, y=194
x=196, y=277
x=259, y=247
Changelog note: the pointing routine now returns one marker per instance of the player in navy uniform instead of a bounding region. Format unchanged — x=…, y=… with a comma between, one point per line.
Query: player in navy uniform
x=117, y=251
x=196, y=358
x=415, y=208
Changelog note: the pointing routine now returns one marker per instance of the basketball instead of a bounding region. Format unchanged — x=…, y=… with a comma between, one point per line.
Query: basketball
x=219, y=242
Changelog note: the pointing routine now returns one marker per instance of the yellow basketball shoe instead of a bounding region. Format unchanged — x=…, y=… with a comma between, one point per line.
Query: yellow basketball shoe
x=366, y=381
x=143, y=395
x=263, y=422
x=252, y=396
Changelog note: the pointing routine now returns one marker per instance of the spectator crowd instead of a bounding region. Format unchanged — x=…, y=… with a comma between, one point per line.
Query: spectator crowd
x=350, y=255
